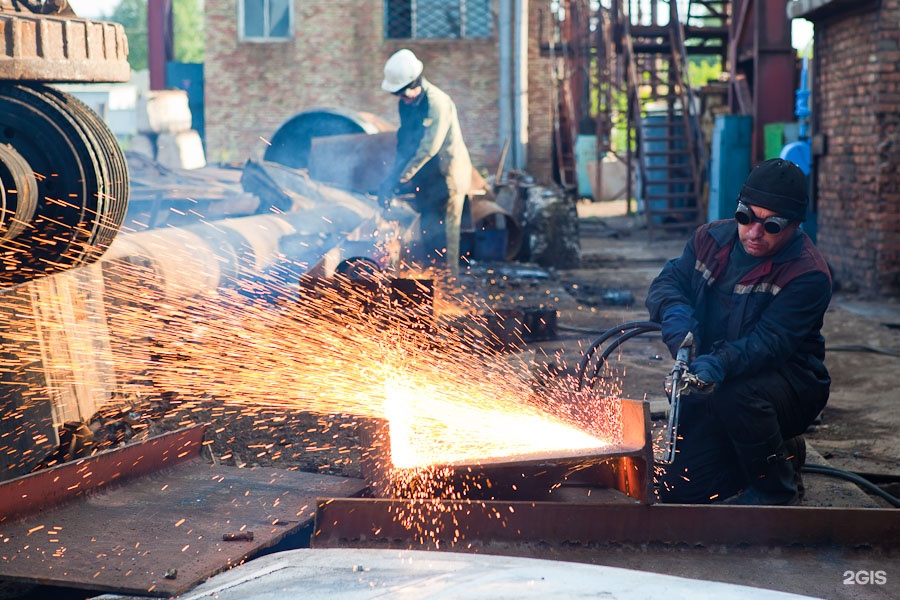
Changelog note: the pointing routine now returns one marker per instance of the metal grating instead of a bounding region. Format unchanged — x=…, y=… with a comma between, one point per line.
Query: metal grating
x=438, y=19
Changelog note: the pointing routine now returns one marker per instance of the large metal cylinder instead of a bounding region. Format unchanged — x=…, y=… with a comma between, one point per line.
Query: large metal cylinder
x=291, y=144
x=64, y=183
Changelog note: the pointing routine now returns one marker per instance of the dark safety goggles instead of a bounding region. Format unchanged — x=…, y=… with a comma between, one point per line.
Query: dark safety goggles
x=403, y=91
x=773, y=224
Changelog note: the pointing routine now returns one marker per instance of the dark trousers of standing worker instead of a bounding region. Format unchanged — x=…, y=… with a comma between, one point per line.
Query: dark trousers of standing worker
x=431, y=196
x=431, y=204
x=724, y=436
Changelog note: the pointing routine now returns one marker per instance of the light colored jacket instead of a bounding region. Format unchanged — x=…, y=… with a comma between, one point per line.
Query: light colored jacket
x=442, y=138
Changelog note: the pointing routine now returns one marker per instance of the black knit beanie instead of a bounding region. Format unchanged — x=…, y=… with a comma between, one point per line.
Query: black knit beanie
x=778, y=185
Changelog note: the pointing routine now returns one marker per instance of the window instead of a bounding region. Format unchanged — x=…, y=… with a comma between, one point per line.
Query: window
x=266, y=20
x=438, y=19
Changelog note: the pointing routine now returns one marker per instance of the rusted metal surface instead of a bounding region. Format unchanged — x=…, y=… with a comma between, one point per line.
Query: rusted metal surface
x=465, y=524
x=763, y=59
x=160, y=532
x=814, y=10
x=60, y=49
x=39, y=491
x=625, y=466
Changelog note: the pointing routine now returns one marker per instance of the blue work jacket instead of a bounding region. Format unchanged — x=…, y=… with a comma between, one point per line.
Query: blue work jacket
x=776, y=311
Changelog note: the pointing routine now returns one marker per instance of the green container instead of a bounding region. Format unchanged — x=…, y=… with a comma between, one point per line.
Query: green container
x=773, y=133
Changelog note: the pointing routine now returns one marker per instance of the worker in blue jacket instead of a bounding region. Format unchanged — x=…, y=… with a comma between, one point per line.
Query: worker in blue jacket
x=753, y=291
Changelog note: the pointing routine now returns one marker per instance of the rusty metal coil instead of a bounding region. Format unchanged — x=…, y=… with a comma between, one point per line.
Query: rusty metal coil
x=81, y=177
x=18, y=193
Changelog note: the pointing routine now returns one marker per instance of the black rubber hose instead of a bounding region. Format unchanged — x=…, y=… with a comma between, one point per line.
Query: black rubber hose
x=604, y=356
x=632, y=327
x=862, y=482
x=588, y=354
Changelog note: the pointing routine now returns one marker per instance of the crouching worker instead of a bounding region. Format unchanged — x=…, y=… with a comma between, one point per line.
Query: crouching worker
x=753, y=290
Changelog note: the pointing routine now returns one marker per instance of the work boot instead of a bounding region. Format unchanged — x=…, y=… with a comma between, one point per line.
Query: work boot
x=796, y=453
x=770, y=474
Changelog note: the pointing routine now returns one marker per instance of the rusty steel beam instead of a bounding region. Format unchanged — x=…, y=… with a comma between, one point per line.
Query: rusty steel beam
x=39, y=491
x=762, y=66
x=171, y=520
x=775, y=68
x=160, y=41
x=625, y=467
x=469, y=525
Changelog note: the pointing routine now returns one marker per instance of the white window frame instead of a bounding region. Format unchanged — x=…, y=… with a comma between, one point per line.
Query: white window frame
x=268, y=38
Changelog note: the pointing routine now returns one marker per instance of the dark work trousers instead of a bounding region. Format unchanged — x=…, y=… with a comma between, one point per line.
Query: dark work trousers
x=431, y=196
x=742, y=412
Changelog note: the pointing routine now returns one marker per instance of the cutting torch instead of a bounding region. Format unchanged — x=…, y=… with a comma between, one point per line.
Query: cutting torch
x=679, y=379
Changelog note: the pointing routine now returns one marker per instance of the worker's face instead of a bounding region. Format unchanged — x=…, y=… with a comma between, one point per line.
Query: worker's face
x=756, y=240
x=409, y=95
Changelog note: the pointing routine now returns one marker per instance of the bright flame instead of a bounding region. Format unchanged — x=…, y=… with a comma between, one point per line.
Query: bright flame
x=440, y=424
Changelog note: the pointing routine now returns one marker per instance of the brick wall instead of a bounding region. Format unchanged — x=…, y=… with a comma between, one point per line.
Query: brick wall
x=336, y=60
x=540, y=107
x=857, y=92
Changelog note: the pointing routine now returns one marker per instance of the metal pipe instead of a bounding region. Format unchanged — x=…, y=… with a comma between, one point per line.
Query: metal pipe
x=159, y=41
x=520, y=78
x=504, y=25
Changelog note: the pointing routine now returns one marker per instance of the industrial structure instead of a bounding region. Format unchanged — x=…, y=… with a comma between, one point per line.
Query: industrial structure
x=556, y=71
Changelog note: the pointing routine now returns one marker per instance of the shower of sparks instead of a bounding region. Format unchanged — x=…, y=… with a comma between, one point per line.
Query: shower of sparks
x=260, y=345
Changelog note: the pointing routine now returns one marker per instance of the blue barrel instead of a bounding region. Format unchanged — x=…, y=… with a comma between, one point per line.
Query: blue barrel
x=585, y=152
x=729, y=163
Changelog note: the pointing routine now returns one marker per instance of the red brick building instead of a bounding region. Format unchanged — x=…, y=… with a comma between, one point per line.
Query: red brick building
x=262, y=68
x=856, y=139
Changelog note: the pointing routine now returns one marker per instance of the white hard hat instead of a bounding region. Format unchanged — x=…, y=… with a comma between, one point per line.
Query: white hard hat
x=400, y=70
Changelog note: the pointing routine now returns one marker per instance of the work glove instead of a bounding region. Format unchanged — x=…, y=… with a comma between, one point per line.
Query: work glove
x=669, y=383
x=676, y=324
x=708, y=372
x=386, y=192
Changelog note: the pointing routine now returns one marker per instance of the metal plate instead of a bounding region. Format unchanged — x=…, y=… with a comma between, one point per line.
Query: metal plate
x=466, y=525
x=162, y=533
x=807, y=551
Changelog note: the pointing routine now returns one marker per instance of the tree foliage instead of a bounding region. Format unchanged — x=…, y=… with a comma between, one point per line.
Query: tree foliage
x=188, y=31
x=132, y=14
